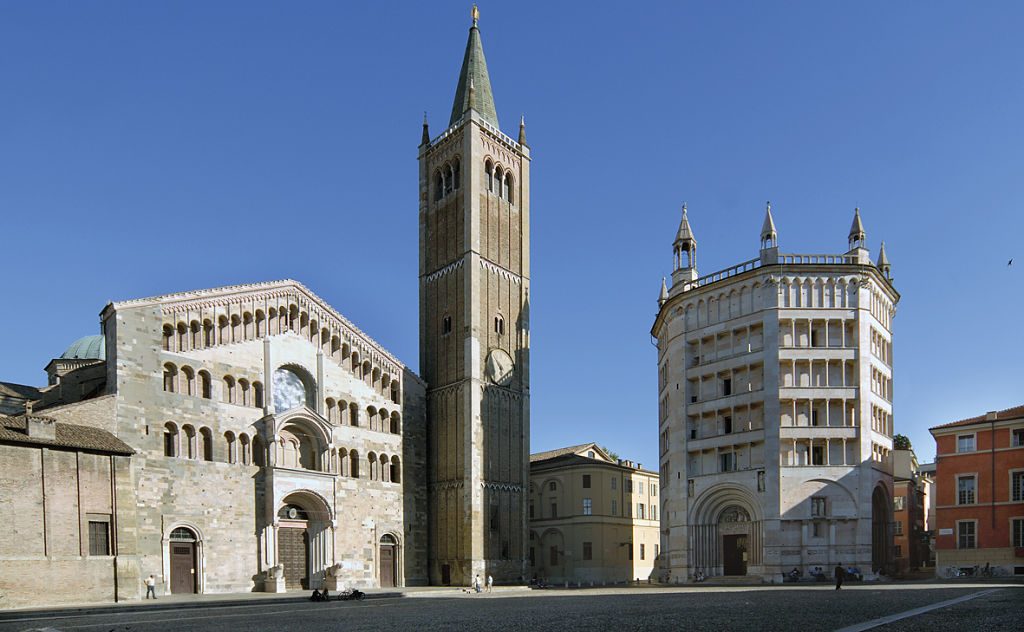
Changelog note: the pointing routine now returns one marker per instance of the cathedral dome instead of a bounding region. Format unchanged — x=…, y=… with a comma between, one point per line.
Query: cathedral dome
x=87, y=348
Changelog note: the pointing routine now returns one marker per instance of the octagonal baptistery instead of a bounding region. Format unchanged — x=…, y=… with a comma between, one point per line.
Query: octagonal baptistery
x=775, y=412
x=278, y=447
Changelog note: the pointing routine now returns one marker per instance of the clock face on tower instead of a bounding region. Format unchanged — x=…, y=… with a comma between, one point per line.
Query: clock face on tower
x=499, y=367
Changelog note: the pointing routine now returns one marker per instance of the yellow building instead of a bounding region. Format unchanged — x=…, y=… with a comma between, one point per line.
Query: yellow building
x=592, y=518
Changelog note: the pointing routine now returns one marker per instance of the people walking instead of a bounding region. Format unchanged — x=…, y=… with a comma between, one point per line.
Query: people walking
x=490, y=583
x=151, y=586
x=840, y=573
x=476, y=583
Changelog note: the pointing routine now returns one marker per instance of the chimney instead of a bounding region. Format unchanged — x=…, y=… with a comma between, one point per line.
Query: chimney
x=40, y=427
x=991, y=415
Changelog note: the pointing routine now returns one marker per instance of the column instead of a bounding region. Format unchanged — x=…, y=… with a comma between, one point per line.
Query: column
x=827, y=459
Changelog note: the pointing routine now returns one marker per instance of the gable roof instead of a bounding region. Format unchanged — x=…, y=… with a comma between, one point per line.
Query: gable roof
x=71, y=436
x=1001, y=415
x=573, y=449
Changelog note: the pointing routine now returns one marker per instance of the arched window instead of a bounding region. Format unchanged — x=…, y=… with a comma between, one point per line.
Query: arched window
x=229, y=438
x=385, y=469
x=449, y=179
x=170, y=377
x=168, y=341
x=205, y=388
x=508, y=186
x=489, y=170
x=498, y=175
x=190, y=381
x=438, y=185
x=208, y=333
x=182, y=337
x=446, y=325
x=499, y=325
x=236, y=328
x=353, y=414
x=194, y=331
x=243, y=386
x=335, y=347
x=371, y=461
x=353, y=459
x=257, y=394
x=332, y=410
x=261, y=324
x=367, y=371
x=229, y=390
x=342, y=462
x=170, y=439
x=189, y=450
x=206, y=446
x=395, y=392
x=396, y=423
x=247, y=326
x=457, y=174
x=371, y=418
x=396, y=470
x=243, y=443
x=222, y=330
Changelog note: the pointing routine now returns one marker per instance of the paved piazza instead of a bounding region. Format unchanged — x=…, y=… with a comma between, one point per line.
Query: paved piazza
x=993, y=607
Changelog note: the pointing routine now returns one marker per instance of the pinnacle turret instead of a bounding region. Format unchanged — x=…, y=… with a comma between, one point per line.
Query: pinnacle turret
x=769, y=236
x=663, y=296
x=684, y=252
x=857, y=235
x=883, y=263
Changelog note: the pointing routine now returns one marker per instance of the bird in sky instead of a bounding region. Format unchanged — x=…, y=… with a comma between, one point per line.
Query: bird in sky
x=1010, y=262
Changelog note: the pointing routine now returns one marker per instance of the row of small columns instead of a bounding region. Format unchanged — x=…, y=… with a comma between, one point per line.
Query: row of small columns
x=849, y=339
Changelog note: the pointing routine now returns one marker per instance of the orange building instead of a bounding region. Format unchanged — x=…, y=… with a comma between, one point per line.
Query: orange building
x=980, y=493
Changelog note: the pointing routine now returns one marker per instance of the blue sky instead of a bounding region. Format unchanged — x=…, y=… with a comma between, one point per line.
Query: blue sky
x=155, y=147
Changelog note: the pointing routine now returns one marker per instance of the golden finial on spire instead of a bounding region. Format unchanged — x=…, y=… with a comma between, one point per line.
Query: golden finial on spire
x=476, y=15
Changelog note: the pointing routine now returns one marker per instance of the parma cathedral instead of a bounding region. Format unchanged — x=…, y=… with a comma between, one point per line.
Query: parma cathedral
x=252, y=438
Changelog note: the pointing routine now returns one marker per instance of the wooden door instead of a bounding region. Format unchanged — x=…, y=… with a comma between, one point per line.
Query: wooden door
x=293, y=552
x=387, y=566
x=183, y=567
x=734, y=549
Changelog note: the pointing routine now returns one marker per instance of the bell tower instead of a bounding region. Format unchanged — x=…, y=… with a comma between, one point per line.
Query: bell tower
x=474, y=221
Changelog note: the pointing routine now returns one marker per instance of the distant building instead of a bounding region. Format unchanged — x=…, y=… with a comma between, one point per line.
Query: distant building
x=776, y=420
x=592, y=518
x=980, y=492
x=910, y=542
x=928, y=478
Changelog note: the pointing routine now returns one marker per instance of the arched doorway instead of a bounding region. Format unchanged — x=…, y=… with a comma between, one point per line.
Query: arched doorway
x=304, y=535
x=726, y=534
x=293, y=546
x=183, y=559
x=388, y=561
x=881, y=530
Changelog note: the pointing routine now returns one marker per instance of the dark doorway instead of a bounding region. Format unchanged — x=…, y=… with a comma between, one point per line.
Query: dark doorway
x=183, y=567
x=387, y=565
x=293, y=551
x=734, y=554
x=446, y=574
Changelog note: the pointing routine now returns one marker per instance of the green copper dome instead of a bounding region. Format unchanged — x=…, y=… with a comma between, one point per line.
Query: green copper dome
x=87, y=348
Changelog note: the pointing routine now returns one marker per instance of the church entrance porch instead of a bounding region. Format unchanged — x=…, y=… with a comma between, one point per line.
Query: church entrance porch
x=734, y=555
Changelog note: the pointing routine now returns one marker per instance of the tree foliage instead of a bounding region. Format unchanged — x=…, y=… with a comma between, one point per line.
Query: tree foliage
x=901, y=442
x=611, y=453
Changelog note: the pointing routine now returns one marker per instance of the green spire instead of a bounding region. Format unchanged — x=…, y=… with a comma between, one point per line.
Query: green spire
x=474, y=90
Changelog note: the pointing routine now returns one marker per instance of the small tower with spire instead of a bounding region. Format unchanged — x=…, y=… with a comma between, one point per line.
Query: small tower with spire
x=684, y=253
x=858, y=239
x=883, y=263
x=769, y=238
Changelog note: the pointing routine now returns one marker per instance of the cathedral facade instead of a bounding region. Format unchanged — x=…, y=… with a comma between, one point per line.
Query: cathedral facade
x=251, y=438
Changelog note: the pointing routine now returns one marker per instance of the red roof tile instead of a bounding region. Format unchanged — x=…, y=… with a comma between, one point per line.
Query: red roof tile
x=1009, y=413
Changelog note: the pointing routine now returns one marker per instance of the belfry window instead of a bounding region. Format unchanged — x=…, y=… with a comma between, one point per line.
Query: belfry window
x=508, y=186
x=489, y=170
x=446, y=325
x=438, y=186
x=499, y=325
x=498, y=174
